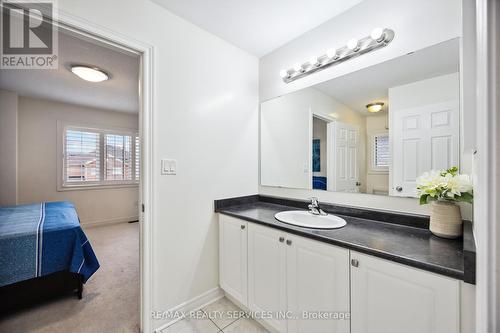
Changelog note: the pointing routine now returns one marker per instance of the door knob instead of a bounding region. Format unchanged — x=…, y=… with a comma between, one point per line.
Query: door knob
x=399, y=188
x=288, y=242
x=282, y=239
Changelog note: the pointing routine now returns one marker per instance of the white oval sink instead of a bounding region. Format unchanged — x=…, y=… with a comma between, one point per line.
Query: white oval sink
x=305, y=219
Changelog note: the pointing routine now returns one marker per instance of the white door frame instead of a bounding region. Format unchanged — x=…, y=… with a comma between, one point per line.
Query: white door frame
x=487, y=167
x=146, y=90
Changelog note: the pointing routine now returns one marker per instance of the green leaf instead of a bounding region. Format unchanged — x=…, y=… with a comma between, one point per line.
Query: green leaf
x=423, y=199
x=465, y=197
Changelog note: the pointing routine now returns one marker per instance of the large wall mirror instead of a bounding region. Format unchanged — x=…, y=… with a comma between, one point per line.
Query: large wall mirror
x=371, y=131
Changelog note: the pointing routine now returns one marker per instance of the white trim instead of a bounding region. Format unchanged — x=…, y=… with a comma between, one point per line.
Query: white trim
x=193, y=304
x=83, y=27
x=487, y=168
x=103, y=222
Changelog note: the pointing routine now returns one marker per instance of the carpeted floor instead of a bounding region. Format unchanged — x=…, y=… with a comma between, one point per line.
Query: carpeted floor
x=111, y=298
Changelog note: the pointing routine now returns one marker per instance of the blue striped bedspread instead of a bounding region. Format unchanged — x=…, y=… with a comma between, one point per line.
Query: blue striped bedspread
x=40, y=239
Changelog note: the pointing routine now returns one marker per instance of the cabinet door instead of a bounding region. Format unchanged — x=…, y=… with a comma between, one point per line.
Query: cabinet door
x=267, y=274
x=233, y=257
x=317, y=283
x=392, y=298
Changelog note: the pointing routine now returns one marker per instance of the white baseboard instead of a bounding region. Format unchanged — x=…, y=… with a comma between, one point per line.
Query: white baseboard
x=97, y=223
x=193, y=304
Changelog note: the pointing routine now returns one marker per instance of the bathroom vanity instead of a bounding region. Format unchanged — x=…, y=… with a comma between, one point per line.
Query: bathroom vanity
x=382, y=272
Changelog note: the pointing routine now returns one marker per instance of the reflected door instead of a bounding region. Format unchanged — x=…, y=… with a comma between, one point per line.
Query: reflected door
x=343, y=167
x=424, y=138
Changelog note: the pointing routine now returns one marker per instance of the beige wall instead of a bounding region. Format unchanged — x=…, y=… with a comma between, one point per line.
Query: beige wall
x=376, y=182
x=37, y=160
x=8, y=145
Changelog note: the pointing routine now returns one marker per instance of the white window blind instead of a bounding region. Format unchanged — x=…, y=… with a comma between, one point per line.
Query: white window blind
x=118, y=160
x=137, y=158
x=82, y=156
x=381, y=151
x=95, y=157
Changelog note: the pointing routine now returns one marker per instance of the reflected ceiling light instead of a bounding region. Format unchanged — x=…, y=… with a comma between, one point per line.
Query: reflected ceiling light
x=378, y=38
x=375, y=106
x=88, y=73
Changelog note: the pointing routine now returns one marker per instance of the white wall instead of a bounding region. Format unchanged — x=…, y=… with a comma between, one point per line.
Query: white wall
x=37, y=160
x=417, y=24
x=376, y=181
x=431, y=91
x=286, y=132
x=8, y=148
x=206, y=117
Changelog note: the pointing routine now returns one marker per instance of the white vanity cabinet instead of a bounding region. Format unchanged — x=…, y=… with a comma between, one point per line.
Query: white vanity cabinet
x=267, y=273
x=317, y=283
x=289, y=275
x=233, y=257
x=387, y=297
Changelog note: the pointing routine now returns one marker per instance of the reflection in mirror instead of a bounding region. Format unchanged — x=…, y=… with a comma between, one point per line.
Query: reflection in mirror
x=371, y=131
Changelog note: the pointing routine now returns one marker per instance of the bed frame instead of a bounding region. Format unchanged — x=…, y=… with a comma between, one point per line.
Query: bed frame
x=30, y=292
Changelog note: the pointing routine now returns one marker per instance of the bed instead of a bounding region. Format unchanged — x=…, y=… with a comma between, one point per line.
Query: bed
x=43, y=250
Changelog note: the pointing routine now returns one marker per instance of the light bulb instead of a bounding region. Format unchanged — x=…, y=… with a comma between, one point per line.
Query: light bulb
x=352, y=44
x=313, y=60
x=330, y=53
x=283, y=73
x=297, y=67
x=377, y=34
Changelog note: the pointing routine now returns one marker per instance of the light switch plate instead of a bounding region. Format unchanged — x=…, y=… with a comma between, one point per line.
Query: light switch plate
x=168, y=167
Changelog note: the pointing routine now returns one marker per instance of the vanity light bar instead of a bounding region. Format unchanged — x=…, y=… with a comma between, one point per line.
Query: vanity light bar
x=378, y=38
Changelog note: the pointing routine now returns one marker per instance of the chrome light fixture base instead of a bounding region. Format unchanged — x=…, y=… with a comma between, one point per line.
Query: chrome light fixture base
x=364, y=45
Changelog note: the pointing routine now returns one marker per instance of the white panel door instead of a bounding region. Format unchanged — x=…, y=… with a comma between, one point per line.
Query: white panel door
x=343, y=166
x=317, y=281
x=392, y=298
x=233, y=257
x=423, y=139
x=267, y=273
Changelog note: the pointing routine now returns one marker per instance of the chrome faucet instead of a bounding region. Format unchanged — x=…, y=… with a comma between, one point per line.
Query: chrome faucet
x=314, y=207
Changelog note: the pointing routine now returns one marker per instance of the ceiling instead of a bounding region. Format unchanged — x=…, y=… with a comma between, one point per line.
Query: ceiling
x=120, y=93
x=257, y=26
x=371, y=84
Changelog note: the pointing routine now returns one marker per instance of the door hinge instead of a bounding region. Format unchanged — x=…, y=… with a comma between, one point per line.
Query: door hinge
x=142, y=207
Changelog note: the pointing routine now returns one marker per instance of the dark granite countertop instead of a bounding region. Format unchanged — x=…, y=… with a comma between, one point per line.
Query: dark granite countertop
x=399, y=241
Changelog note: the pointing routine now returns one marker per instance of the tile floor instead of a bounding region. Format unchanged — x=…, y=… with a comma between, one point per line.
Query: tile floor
x=219, y=316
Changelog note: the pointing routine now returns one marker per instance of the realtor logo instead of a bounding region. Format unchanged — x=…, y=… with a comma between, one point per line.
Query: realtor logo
x=28, y=35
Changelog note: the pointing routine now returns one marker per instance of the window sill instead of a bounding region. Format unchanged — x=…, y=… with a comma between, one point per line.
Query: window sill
x=378, y=172
x=94, y=187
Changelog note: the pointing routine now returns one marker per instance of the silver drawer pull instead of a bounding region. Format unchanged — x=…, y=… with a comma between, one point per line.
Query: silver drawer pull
x=242, y=226
x=355, y=262
x=288, y=242
x=282, y=239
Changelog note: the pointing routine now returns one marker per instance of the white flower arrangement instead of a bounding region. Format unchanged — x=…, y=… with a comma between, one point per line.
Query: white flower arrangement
x=444, y=185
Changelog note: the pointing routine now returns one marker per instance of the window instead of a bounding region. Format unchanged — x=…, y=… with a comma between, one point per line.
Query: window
x=380, y=159
x=100, y=157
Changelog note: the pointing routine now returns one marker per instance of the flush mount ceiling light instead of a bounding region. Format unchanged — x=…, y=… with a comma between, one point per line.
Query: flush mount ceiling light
x=88, y=73
x=355, y=47
x=374, y=107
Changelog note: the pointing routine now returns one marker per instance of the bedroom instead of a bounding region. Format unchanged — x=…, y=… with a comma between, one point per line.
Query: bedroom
x=71, y=152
